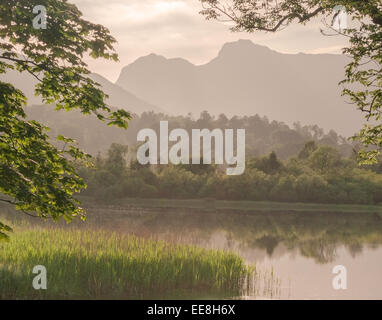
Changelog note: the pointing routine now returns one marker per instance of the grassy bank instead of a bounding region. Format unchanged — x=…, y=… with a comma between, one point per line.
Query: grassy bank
x=95, y=264
x=255, y=206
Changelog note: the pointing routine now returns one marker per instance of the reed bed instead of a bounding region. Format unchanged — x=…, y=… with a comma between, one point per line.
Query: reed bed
x=91, y=264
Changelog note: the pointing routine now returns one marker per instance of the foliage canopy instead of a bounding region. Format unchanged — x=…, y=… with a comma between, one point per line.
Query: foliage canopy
x=35, y=175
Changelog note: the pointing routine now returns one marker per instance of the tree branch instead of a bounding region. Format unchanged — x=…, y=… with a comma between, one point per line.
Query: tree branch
x=8, y=201
x=301, y=18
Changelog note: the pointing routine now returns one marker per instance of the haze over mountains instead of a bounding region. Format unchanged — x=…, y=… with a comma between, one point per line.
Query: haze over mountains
x=247, y=79
x=244, y=79
x=118, y=97
x=122, y=98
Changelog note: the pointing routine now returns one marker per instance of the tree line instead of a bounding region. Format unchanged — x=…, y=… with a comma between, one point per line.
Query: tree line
x=262, y=135
x=317, y=174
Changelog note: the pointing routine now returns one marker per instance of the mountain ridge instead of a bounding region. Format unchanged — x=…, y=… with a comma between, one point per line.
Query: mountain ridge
x=245, y=78
x=118, y=97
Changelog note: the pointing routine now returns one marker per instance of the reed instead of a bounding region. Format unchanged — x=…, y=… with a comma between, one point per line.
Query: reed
x=92, y=264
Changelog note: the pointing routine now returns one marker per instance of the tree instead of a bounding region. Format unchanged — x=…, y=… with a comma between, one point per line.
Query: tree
x=37, y=177
x=116, y=160
x=269, y=164
x=324, y=159
x=308, y=149
x=364, y=72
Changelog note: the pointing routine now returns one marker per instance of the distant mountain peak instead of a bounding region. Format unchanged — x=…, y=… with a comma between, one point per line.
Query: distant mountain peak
x=247, y=78
x=154, y=58
x=243, y=46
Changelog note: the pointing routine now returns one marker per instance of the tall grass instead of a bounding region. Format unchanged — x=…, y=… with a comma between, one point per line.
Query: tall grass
x=91, y=264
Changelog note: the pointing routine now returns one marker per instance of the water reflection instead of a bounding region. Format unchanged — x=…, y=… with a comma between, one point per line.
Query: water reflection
x=300, y=248
x=313, y=235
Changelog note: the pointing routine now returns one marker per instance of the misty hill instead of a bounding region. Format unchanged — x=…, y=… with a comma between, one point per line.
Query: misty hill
x=247, y=79
x=118, y=97
x=262, y=135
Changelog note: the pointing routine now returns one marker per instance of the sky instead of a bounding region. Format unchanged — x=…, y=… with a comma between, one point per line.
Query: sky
x=174, y=28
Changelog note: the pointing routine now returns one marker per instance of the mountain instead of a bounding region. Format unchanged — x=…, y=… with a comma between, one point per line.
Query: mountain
x=118, y=97
x=247, y=79
x=121, y=98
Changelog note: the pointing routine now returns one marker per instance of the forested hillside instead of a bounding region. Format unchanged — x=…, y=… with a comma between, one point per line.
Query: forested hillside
x=262, y=135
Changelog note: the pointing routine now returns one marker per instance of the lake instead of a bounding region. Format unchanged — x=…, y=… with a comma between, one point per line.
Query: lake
x=301, y=248
x=294, y=253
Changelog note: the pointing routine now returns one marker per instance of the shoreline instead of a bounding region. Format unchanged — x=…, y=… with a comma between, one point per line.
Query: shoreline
x=212, y=205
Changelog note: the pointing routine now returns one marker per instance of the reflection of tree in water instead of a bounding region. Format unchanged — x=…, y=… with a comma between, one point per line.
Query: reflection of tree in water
x=321, y=250
x=315, y=235
x=269, y=243
x=355, y=249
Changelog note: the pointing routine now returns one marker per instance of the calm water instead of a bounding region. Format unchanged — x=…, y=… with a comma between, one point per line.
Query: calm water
x=302, y=248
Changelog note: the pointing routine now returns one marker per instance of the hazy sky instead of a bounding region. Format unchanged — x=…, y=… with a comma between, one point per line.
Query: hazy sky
x=174, y=28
